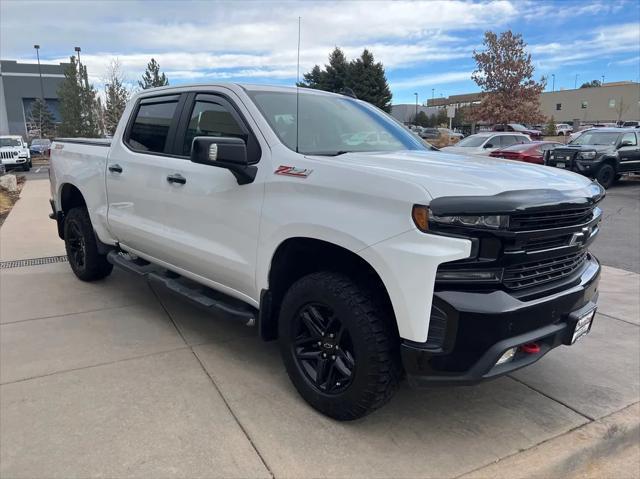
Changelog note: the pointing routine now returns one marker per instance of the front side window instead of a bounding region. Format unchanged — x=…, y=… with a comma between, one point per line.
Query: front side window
x=151, y=126
x=320, y=124
x=630, y=137
x=472, y=141
x=210, y=119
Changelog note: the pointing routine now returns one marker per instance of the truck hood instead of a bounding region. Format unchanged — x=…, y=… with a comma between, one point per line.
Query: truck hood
x=598, y=148
x=444, y=174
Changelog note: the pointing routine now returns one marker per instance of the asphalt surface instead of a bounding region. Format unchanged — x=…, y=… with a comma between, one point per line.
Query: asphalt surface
x=618, y=244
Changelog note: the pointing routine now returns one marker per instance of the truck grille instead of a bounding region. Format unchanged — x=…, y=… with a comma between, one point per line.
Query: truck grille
x=538, y=272
x=550, y=219
x=8, y=155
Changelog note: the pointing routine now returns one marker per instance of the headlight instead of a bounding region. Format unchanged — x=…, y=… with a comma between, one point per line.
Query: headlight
x=480, y=221
x=586, y=155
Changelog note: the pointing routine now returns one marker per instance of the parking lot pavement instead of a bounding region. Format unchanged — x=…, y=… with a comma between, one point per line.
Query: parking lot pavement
x=116, y=379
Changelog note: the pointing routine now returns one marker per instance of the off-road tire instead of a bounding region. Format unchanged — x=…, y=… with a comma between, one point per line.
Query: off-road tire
x=377, y=369
x=606, y=175
x=82, y=248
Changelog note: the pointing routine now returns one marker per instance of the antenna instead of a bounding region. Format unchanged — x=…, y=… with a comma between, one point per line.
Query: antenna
x=298, y=90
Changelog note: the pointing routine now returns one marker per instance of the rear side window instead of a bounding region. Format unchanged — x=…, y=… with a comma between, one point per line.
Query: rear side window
x=151, y=126
x=508, y=140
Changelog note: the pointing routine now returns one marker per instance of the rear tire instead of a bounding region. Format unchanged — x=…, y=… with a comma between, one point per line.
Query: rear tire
x=339, y=350
x=82, y=248
x=606, y=175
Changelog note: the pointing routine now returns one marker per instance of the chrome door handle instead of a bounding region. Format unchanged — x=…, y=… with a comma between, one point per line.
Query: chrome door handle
x=176, y=178
x=115, y=168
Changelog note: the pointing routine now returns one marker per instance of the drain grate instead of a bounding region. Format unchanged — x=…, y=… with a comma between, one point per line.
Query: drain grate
x=21, y=263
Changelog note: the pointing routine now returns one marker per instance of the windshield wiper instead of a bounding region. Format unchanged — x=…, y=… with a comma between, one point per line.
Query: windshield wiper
x=329, y=153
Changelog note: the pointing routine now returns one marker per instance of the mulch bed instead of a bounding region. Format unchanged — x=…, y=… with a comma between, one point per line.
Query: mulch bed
x=9, y=198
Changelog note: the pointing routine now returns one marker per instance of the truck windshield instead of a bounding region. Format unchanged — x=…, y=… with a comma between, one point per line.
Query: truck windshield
x=9, y=142
x=596, y=138
x=331, y=124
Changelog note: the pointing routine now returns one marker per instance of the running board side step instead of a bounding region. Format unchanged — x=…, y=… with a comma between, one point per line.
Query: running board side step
x=213, y=301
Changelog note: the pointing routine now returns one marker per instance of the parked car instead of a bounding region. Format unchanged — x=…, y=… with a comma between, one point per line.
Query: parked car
x=528, y=152
x=451, y=134
x=430, y=133
x=630, y=124
x=531, y=133
x=40, y=146
x=486, y=142
x=563, y=129
x=368, y=263
x=14, y=153
x=601, y=153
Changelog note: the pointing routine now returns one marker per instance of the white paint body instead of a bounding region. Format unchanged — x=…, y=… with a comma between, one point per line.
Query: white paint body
x=224, y=235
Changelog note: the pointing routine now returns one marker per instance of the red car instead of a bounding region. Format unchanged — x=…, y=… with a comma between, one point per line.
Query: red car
x=529, y=152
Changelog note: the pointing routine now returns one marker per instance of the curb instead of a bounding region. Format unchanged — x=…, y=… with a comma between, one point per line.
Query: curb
x=568, y=453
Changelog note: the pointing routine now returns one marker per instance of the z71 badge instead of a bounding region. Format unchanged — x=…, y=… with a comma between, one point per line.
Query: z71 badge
x=293, y=171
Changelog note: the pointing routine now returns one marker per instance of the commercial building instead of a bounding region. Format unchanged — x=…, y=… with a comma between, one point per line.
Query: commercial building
x=611, y=102
x=19, y=87
x=406, y=112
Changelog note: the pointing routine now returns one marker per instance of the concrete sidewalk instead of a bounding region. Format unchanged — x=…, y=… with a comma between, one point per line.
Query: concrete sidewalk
x=115, y=379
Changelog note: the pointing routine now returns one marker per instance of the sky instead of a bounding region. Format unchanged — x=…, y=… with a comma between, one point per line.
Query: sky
x=426, y=47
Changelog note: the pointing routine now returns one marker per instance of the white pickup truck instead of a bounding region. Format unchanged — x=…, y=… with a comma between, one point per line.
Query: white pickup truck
x=321, y=220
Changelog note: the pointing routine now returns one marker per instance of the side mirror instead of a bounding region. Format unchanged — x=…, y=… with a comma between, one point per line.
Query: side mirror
x=224, y=152
x=488, y=145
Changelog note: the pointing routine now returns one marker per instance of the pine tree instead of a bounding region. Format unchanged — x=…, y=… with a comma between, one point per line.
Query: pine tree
x=116, y=96
x=364, y=76
x=78, y=103
x=550, y=130
x=314, y=79
x=368, y=81
x=39, y=114
x=69, y=98
x=152, y=77
x=336, y=76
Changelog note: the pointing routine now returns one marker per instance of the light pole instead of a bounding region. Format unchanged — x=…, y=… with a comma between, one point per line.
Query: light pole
x=575, y=83
x=433, y=93
x=553, y=80
x=37, y=47
x=77, y=50
x=416, y=118
x=602, y=80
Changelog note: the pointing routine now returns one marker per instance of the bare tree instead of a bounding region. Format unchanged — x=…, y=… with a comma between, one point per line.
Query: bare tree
x=116, y=96
x=621, y=108
x=505, y=73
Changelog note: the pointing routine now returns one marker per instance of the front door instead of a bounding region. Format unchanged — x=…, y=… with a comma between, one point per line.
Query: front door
x=629, y=154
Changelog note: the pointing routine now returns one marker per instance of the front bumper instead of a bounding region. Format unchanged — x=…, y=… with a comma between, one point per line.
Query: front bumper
x=481, y=326
x=15, y=161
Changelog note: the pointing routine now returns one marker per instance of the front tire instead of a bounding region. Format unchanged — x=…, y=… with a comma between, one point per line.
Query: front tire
x=338, y=348
x=606, y=175
x=82, y=248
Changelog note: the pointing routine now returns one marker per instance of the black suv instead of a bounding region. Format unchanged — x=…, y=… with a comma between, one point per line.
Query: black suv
x=602, y=153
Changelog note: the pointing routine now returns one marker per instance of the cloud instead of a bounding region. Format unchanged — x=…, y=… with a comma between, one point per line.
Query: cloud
x=232, y=39
x=434, y=79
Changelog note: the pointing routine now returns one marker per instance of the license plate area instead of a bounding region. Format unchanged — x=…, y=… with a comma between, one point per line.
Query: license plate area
x=580, y=325
x=561, y=165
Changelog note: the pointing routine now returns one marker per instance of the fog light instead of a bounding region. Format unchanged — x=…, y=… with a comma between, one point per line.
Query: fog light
x=507, y=356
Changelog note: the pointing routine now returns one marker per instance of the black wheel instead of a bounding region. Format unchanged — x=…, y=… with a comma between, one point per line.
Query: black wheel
x=26, y=167
x=82, y=249
x=338, y=348
x=606, y=175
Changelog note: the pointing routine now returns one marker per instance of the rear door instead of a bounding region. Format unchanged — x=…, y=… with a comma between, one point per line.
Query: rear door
x=629, y=155
x=136, y=175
